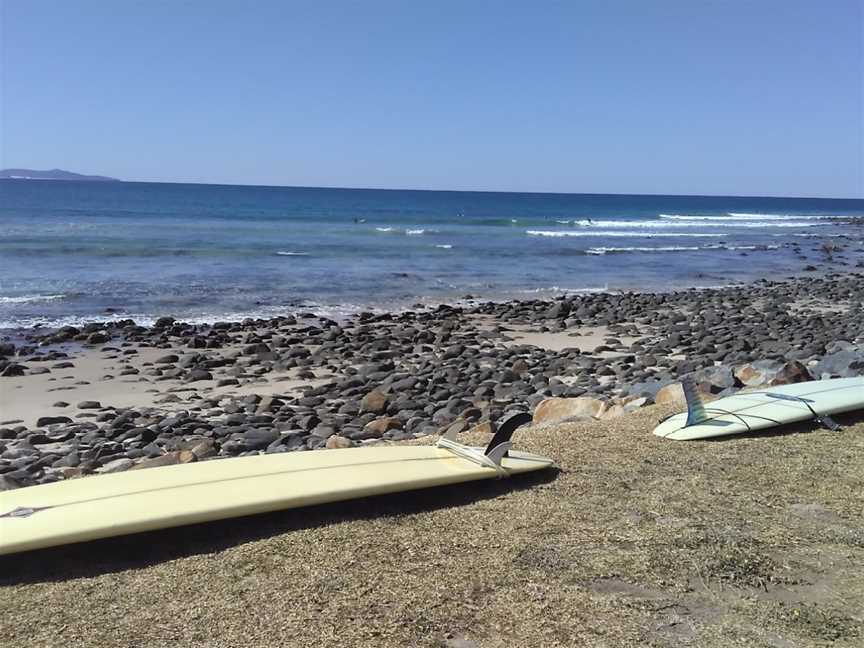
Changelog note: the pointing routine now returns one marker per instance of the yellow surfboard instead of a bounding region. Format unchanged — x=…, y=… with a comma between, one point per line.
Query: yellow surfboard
x=157, y=498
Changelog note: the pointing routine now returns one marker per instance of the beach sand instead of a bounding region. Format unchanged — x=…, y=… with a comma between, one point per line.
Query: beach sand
x=633, y=541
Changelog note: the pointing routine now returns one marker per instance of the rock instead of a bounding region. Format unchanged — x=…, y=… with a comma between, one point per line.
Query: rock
x=8, y=483
x=335, y=442
x=671, y=393
x=714, y=379
x=167, y=359
x=632, y=403
x=198, y=374
x=772, y=372
x=51, y=420
x=89, y=405
x=457, y=427
x=167, y=459
x=484, y=427
x=375, y=402
x=116, y=465
x=612, y=411
x=13, y=370
x=559, y=310
x=556, y=409
x=258, y=439
x=204, y=448
x=847, y=363
x=323, y=431
x=377, y=428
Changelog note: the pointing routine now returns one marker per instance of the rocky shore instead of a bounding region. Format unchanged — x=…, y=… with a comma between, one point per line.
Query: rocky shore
x=116, y=396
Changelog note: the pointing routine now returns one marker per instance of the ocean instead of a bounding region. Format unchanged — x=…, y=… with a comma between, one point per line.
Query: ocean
x=72, y=252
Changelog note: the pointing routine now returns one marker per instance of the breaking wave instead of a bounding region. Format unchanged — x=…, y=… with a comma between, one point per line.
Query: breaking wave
x=559, y=234
x=27, y=299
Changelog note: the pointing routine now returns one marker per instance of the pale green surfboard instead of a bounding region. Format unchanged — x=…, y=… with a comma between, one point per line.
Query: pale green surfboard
x=763, y=409
x=157, y=498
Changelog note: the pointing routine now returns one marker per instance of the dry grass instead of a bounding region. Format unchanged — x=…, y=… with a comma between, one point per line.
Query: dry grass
x=637, y=541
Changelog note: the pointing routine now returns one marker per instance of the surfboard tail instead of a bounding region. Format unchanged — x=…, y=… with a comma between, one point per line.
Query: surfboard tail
x=695, y=407
x=494, y=453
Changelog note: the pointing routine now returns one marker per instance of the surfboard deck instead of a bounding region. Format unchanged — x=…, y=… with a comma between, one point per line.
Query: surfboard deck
x=157, y=498
x=757, y=410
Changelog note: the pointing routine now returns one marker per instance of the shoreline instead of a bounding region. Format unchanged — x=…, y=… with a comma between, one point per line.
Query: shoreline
x=112, y=396
x=460, y=298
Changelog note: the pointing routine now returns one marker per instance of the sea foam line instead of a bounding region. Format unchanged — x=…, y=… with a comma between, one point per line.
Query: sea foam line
x=706, y=221
x=735, y=216
x=662, y=248
x=559, y=234
x=26, y=299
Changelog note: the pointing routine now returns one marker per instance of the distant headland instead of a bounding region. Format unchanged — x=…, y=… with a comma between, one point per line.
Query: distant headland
x=53, y=174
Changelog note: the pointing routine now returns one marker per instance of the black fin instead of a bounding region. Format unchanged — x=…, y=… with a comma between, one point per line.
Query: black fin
x=507, y=429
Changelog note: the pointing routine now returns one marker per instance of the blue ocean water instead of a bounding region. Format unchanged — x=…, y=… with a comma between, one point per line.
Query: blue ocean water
x=81, y=251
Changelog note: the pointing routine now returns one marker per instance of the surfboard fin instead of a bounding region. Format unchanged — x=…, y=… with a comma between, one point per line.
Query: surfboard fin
x=506, y=430
x=822, y=419
x=695, y=407
x=498, y=447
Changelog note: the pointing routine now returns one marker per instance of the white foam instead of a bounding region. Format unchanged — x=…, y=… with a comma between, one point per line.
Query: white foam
x=700, y=221
x=742, y=247
x=415, y=232
x=600, y=233
x=560, y=289
x=26, y=299
x=732, y=216
x=563, y=222
x=384, y=229
x=281, y=253
x=745, y=216
x=815, y=235
x=662, y=248
x=444, y=246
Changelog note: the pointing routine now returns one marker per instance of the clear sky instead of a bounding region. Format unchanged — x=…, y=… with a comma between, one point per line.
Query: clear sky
x=758, y=97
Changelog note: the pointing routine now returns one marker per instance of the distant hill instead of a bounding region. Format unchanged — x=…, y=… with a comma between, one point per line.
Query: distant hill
x=53, y=174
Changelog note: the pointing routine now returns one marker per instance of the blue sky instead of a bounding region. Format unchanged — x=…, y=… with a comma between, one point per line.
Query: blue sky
x=689, y=97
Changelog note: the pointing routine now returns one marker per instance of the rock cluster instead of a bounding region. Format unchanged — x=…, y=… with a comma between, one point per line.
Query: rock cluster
x=402, y=375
